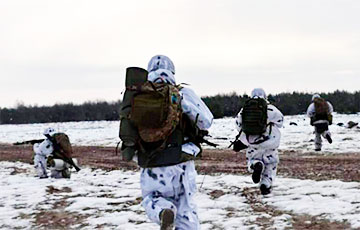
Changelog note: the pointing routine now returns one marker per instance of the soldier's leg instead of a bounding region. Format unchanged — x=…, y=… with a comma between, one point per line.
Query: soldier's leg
x=57, y=174
x=318, y=141
x=158, y=191
x=171, y=188
x=327, y=136
x=255, y=163
x=271, y=160
x=40, y=165
x=253, y=156
x=187, y=217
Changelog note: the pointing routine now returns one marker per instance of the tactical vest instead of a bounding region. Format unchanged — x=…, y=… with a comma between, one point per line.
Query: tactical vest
x=254, y=116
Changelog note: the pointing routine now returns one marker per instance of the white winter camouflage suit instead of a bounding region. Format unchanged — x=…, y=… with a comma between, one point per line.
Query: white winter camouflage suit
x=265, y=152
x=42, y=151
x=173, y=187
x=311, y=113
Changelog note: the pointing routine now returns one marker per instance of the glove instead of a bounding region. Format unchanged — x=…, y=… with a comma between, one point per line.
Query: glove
x=238, y=145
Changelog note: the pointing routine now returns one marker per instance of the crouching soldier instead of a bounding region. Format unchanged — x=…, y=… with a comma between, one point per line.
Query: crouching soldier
x=54, y=153
x=320, y=113
x=163, y=124
x=258, y=123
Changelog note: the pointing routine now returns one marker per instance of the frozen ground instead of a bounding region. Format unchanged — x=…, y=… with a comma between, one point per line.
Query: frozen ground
x=105, y=133
x=111, y=200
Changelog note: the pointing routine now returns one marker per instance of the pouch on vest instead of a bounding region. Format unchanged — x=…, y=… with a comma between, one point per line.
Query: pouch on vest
x=254, y=116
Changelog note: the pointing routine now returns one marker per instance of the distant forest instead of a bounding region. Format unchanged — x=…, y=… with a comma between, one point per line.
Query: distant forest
x=224, y=105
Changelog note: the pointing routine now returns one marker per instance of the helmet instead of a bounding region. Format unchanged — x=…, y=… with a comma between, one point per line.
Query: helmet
x=258, y=92
x=161, y=62
x=315, y=96
x=49, y=131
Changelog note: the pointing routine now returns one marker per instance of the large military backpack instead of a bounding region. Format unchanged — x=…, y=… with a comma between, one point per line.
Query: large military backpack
x=155, y=110
x=254, y=116
x=63, y=149
x=63, y=144
x=150, y=120
x=152, y=109
x=322, y=110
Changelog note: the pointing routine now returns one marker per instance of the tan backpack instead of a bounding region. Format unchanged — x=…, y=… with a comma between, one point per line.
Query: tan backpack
x=155, y=110
x=322, y=110
x=63, y=144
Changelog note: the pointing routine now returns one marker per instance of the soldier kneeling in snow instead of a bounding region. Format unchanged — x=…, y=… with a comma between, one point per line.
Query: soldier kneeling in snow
x=258, y=123
x=54, y=152
x=319, y=112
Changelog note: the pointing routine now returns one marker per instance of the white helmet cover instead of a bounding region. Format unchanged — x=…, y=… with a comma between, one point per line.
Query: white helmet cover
x=49, y=131
x=161, y=62
x=315, y=96
x=258, y=92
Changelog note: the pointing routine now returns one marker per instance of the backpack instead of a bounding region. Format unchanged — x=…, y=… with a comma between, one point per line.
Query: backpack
x=62, y=144
x=63, y=149
x=254, y=116
x=322, y=110
x=155, y=110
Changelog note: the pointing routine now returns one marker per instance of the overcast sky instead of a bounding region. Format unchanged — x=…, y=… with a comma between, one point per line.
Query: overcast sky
x=75, y=51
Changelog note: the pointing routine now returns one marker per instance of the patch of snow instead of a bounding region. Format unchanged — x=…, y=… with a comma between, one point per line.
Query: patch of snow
x=112, y=199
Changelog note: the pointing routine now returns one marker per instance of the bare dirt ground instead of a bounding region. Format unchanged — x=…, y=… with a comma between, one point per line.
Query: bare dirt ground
x=313, y=166
x=293, y=164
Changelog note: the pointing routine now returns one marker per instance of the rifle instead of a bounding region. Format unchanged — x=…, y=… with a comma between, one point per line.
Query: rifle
x=32, y=142
x=57, y=153
x=195, y=134
x=238, y=145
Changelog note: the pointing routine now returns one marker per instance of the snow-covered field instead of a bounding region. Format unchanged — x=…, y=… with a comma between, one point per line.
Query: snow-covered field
x=105, y=133
x=111, y=200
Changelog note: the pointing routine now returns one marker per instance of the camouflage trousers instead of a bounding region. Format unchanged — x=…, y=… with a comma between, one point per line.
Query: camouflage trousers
x=270, y=160
x=171, y=187
x=40, y=165
x=321, y=130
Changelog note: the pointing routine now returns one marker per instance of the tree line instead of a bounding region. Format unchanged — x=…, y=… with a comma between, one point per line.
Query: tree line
x=88, y=111
x=222, y=105
x=288, y=103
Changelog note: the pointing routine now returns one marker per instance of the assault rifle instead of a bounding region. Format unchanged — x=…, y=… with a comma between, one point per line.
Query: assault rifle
x=196, y=135
x=32, y=142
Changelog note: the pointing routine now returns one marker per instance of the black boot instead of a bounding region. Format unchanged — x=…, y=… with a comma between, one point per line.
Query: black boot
x=328, y=138
x=265, y=190
x=167, y=219
x=256, y=175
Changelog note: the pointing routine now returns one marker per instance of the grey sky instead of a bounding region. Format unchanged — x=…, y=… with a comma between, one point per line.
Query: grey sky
x=75, y=51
